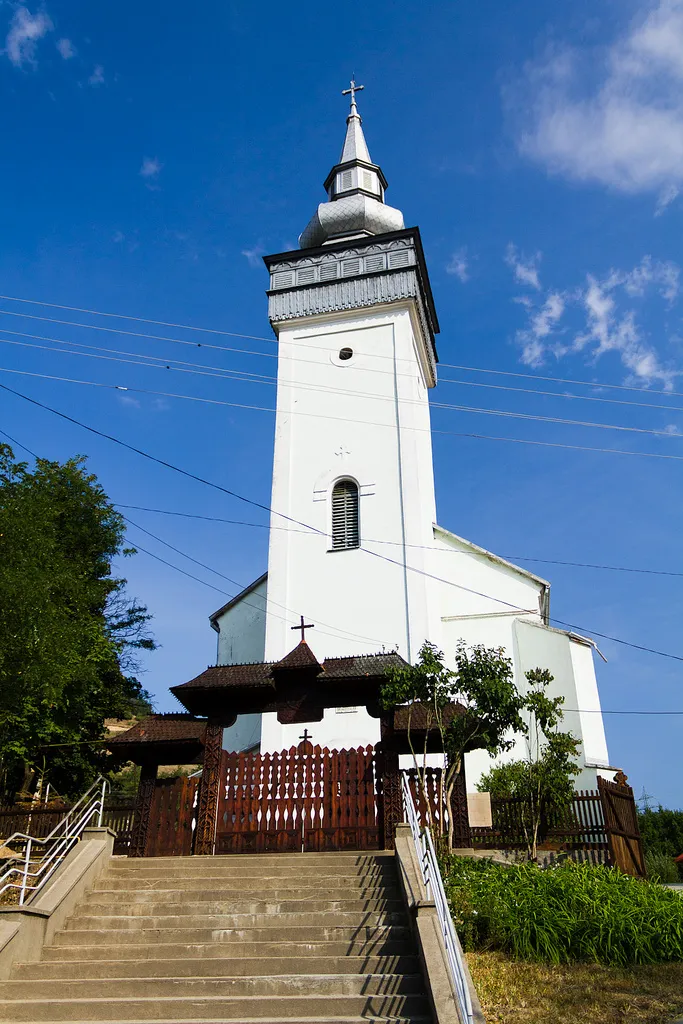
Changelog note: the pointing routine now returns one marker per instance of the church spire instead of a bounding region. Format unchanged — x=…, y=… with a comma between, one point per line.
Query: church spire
x=355, y=146
x=360, y=184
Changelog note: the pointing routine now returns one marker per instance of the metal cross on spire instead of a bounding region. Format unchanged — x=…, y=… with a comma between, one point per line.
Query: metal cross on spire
x=303, y=626
x=352, y=91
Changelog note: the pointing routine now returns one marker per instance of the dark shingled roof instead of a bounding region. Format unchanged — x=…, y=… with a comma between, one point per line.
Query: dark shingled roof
x=180, y=728
x=301, y=657
x=261, y=675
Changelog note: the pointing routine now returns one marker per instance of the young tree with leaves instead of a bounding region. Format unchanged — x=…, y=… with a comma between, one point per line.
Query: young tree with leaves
x=544, y=780
x=68, y=632
x=490, y=706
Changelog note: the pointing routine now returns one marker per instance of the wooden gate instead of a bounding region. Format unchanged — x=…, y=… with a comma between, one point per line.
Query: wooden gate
x=172, y=810
x=305, y=798
x=621, y=825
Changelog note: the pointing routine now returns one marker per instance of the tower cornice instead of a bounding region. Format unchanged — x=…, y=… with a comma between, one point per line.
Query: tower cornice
x=353, y=273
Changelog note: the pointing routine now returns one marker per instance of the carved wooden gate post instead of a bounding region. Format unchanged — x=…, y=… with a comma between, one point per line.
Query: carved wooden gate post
x=462, y=836
x=138, y=841
x=209, y=787
x=392, y=801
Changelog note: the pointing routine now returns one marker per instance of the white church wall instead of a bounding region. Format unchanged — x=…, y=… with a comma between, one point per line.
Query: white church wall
x=242, y=639
x=366, y=418
x=574, y=679
x=242, y=627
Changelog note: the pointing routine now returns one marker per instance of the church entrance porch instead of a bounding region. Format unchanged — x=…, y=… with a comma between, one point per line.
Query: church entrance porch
x=303, y=799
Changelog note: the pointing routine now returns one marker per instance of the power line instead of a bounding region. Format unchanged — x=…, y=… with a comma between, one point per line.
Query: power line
x=123, y=316
x=252, y=337
x=559, y=380
x=246, y=377
x=346, y=419
x=18, y=443
x=396, y=543
x=241, y=587
x=282, y=515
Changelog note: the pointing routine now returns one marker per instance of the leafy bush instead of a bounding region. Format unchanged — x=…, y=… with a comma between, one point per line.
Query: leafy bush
x=662, y=832
x=565, y=913
x=661, y=868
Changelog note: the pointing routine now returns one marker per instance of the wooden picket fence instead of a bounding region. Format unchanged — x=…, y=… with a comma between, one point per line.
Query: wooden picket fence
x=39, y=821
x=304, y=798
x=599, y=826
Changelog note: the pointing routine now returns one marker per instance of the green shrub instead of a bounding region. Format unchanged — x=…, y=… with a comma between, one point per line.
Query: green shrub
x=565, y=913
x=662, y=832
x=661, y=867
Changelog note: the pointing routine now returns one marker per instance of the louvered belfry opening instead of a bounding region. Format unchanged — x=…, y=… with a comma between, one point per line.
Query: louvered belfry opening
x=345, y=525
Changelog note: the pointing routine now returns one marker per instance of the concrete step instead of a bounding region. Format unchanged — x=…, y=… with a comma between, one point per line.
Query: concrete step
x=285, y=985
x=124, y=922
x=275, y=933
x=250, y=882
x=221, y=1008
x=302, y=947
x=353, y=857
x=263, y=1020
x=199, y=866
x=237, y=904
x=170, y=894
x=218, y=966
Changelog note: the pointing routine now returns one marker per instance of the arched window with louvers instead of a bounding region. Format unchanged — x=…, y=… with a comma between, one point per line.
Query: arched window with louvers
x=345, y=516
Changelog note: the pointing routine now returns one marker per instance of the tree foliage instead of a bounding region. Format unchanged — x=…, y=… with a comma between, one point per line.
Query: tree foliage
x=490, y=706
x=662, y=834
x=544, y=780
x=68, y=632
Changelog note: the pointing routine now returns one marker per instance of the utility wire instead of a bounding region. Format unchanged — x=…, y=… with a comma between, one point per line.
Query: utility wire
x=299, y=385
x=252, y=337
x=340, y=633
x=282, y=515
x=346, y=419
x=238, y=374
x=397, y=543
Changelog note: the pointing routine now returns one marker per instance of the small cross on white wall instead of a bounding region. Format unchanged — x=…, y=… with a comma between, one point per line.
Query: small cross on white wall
x=342, y=452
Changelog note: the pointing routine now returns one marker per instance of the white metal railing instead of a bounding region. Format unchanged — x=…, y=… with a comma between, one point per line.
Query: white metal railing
x=28, y=877
x=431, y=876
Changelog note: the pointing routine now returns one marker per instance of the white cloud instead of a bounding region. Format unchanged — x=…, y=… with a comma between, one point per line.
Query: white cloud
x=672, y=429
x=66, y=48
x=253, y=256
x=542, y=324
x=525, y=269
x=25, y=30
x=459, y=265
x=612, y=115
x=150, y=168
x=128, y=400
x=665, y=276
x=97, y=77
x=602, y=320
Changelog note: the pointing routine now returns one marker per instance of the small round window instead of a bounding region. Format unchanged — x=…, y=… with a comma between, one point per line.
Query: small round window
x=345, y=353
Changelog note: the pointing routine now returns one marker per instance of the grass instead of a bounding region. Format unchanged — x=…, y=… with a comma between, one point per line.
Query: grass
x=566, y=914
x=512, y=992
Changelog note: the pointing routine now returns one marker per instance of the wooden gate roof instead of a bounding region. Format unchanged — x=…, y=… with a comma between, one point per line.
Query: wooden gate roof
x=229, y=690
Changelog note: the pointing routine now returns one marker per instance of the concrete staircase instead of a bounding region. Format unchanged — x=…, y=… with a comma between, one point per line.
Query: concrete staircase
x=277, y=937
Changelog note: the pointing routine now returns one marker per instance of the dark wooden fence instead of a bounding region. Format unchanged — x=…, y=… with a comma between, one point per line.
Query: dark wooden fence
x=578, y=828
x=39, y=821
x=599, y=826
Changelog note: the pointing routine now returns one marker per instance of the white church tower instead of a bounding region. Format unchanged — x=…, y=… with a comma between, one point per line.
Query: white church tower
x=354, y=546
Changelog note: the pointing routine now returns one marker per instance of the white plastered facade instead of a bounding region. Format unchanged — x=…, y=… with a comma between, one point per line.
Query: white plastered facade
x=367, y=419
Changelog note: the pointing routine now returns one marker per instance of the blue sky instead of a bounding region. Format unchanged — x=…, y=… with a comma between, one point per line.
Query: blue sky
x=152, y=153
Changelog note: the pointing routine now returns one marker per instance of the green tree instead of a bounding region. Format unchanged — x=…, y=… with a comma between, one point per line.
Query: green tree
x=490, y=705
x=68, y=632
x=544, y=780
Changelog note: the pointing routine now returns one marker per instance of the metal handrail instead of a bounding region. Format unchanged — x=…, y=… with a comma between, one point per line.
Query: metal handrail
x=64, y=836
x=431, y=876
